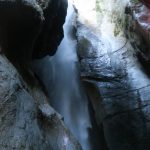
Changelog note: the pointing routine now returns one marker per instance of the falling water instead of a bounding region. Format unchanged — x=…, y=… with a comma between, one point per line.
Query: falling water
x=60, y=76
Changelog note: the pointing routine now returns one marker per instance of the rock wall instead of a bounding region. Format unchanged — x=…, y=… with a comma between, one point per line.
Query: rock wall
x=27, y=121
x=138, y=27
x=114, y=77
x=29, y=29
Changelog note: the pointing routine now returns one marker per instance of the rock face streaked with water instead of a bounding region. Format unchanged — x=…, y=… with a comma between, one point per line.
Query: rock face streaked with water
x=114, y=77
x=114, y=69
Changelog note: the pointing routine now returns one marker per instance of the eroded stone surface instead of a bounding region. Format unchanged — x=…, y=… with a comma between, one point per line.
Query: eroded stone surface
x=111, y=68
x=27, y=121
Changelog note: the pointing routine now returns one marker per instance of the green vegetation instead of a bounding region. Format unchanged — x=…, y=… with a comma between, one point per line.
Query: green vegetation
x=98, y=6
x=100, y=10
x=119, y=22
x=135, y=1
x=116, y=15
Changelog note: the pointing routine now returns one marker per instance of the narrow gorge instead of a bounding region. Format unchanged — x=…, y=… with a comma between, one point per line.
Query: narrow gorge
x=74, y=75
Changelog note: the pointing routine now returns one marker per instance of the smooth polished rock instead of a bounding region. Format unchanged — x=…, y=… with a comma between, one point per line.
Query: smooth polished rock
x=114, y=77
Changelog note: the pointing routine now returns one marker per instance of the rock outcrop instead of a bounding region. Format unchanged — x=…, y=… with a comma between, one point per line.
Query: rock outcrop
x=27, y=121
x=138, y=27
x=52, y=29
x=146, y=2
x=31, y=28
x=115, y=79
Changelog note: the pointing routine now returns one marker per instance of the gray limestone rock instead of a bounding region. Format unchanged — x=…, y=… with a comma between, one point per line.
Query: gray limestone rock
x=27, y=121
x=116, y=84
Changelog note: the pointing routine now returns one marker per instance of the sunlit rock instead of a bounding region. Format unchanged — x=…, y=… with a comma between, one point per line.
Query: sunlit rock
x=115, y=80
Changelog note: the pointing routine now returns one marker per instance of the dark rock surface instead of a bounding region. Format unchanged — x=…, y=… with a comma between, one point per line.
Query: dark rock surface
x=118, y=87
x=138, y=25
x=146, y=2
x=31, y=28
x=52, y=30
x=27, y=121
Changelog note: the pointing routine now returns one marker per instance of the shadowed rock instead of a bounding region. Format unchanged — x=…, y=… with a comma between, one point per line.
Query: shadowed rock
x=146, y=2
x=116, y=82
x=52, y=30
x=31, y=28
x=27, y=121
x=138, y=27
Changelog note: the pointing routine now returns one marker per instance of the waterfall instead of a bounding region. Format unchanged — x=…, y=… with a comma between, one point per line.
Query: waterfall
x=60, y=76
x=67, y=96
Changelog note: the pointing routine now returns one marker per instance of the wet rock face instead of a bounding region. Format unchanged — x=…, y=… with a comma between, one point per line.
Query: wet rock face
x=116, y=81
x=146, y=2
x=138, y=27
x=31, y=29
x=27, y=121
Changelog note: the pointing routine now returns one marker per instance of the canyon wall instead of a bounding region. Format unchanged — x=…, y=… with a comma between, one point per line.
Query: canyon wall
x=113, y=48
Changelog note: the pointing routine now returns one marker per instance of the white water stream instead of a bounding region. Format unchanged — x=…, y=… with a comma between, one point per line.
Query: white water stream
x=61, y=78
